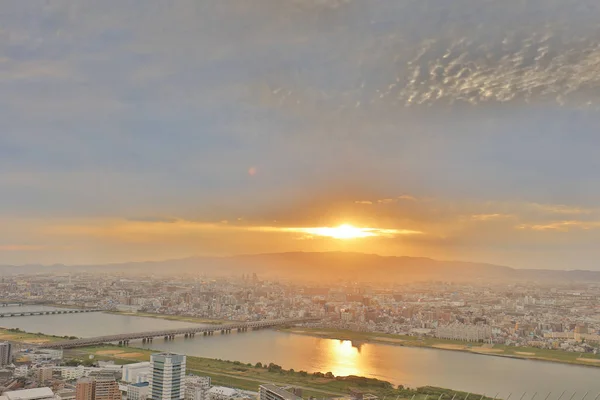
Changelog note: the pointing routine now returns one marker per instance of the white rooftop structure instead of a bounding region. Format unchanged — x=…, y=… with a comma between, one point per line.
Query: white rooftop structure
x=29, y=394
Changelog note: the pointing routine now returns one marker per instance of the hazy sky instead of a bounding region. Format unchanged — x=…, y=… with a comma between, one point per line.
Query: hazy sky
x=464, y=129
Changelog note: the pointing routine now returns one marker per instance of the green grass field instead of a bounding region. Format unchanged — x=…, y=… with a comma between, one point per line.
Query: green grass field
x=249, y=377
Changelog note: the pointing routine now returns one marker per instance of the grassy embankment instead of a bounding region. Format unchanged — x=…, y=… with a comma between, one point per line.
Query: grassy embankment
x=17, y=335
x=530, y=353
x=181, y=318
x=249, y=377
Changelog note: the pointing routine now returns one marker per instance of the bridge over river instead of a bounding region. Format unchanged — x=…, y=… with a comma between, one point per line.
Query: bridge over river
x=123, y=339
x=48, y=312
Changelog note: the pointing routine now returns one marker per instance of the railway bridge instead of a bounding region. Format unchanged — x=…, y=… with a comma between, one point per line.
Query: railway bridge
x=48, y=312
x=123, y=339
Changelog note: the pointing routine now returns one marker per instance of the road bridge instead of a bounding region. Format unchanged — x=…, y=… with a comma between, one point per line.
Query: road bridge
x=10, y=304
x=48, y=312
x=123, y=339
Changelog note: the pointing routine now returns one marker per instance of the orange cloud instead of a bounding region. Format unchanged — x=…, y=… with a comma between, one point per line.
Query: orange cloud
x=490, y=217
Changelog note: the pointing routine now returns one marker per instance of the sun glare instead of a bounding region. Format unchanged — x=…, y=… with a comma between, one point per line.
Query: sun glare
x=345, y=231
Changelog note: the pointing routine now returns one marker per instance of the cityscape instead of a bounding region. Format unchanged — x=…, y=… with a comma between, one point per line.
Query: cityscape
x=299, y=200
x=546, y=322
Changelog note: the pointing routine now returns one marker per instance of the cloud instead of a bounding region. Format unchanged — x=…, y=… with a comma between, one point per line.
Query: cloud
x=490, y=217
x=386, y=201
x=562, y=226
x=407, y=197
x=561, y=209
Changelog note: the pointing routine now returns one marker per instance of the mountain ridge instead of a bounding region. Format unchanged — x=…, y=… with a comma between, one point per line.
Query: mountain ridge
x=326, y=266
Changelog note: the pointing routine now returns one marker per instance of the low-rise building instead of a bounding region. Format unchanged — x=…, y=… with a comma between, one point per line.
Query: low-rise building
x=138, y=391
x=273, y=392
x=131, y=373
x=43, y=393
x=196, y=387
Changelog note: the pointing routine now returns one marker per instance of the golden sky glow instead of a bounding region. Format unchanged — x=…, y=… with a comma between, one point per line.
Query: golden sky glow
x=384, y=225
x=347, y=231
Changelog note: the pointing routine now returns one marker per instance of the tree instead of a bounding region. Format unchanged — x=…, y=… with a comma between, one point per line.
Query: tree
x=274, y=367
x=258, y=365
x=329, y=375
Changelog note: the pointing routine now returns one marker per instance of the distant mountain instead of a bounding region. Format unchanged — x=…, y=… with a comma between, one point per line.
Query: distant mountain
x=327, y=266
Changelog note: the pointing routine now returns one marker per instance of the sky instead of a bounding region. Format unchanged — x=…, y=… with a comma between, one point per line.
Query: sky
x=146, y=130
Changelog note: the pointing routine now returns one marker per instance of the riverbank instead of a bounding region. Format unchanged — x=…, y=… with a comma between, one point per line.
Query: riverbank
x=249, y=377
x=19, y=336
x=180, y=318
x=527, y=353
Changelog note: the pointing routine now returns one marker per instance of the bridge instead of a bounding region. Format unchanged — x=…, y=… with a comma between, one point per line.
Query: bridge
x=123, y=339
x=48, y=312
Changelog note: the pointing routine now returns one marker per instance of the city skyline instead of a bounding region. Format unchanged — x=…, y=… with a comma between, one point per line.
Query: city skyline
x=461, y=131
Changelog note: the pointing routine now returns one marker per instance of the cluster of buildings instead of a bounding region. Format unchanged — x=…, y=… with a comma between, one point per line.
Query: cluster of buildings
x=163, y=378
x=565, y=316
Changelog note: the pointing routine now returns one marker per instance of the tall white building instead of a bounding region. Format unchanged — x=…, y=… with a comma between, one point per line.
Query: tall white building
x=167, y=376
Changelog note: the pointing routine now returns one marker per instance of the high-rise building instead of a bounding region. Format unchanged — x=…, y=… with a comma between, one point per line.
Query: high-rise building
x=97, y=388
x=272, y=392
x=106, y=388
x=84, y=390
x=5, y=353
x=167, y=375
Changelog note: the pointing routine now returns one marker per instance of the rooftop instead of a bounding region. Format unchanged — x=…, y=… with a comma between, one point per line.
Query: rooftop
x=280, y=392
x=30, y=394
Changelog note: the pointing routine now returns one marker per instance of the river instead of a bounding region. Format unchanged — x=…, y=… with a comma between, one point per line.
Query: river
x=411, y=367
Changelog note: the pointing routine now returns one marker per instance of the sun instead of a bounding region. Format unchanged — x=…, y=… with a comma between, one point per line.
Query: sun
x=344, y=231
